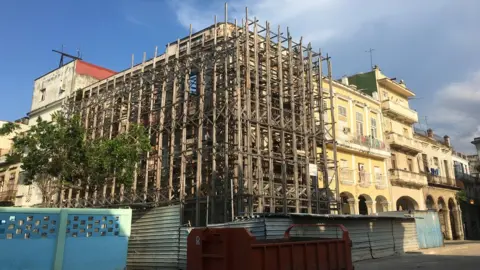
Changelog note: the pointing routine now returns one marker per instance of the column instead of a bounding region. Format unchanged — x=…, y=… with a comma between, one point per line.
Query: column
x=352, y=205
x=448, y=225
x=371, y=209
x=457, y=217
x=385, y=206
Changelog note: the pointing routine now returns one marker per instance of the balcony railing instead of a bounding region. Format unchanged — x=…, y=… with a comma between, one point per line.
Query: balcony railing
x=400, y=111
x=346, y=176
x=407, y=178
x=407, y=144
x=361, y=143
x=380, y=181
x=369, y=142
x=441, y=180
x=364, y=179
x=8, y=194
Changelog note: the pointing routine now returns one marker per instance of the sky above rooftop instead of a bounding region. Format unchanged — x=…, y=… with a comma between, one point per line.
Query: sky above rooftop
x=434, y=45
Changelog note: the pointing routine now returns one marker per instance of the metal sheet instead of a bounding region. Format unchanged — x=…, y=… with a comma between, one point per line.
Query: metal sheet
x=429, y=232
x=405, y=236
x=381, y=238
x=154, y=242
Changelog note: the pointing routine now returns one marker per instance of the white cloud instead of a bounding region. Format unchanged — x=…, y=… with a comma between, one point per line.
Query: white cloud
x=316, y=20
x=431, y=44
x=457, y=107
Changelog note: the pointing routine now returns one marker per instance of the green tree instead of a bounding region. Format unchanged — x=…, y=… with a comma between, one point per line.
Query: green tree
x=55, y=155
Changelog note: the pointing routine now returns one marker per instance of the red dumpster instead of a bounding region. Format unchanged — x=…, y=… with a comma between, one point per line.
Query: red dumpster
x=236, y=248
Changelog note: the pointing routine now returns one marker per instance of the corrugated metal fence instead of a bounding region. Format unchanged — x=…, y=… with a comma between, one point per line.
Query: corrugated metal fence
x=159, y=242
x=155, y=239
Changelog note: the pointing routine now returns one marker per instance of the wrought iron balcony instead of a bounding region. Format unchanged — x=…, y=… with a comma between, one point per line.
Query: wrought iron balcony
x=441, y=180
x=346, y=176
x=398, y=111
x=364, y=179
x=9, y=194
x=366, y=145
x=401, y=142
x=407, y=178
x=380, y=181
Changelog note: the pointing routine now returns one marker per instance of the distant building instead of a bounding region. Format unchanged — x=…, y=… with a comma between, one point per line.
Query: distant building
x=405, y=178
x=436, y=163
x=50, y=89
x=11, y=174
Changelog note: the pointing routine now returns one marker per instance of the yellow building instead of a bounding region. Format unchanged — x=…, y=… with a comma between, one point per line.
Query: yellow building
x=404, y=174
x=10, y=174
x=361, y=152
x=436, y=162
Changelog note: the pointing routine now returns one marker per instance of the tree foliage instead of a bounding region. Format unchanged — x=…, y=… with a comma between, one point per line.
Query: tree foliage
x=56, y=154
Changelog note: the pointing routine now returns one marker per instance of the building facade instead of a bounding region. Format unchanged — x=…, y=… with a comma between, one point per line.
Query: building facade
x=436, y=163
x=13, y=191
x=404, y=173
x=50, y=89
x=361, y=151
x=470, y=203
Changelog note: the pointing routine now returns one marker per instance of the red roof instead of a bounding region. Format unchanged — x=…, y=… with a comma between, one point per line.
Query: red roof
x=98, y=72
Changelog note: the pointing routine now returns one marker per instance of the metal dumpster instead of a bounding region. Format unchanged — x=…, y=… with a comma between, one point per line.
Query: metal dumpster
x=236, y=248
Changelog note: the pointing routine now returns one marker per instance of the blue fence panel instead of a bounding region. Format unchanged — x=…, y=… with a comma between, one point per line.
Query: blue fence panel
x=28, y=240
x=101, y=238
x=429, y=232
x=38, y=239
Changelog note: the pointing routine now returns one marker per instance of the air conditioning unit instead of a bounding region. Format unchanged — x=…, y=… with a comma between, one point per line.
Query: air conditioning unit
x=346, y=130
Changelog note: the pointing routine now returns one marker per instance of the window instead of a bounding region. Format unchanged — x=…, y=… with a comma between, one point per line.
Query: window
x=361, y=173
x=374, y=127
x=378, y=174
x=42, y=93
x=342, y=111
x=410, y=164
x=394, y=162
x=405, y=132
x=435, y=161
x=343, y=163
x=359, y=118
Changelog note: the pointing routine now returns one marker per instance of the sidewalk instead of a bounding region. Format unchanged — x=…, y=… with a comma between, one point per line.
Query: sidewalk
x=464, y=255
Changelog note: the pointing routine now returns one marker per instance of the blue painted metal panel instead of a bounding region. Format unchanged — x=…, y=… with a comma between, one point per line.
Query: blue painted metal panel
x=53, y=238
x=429, y=232
x=100, y=238
x=28, y=235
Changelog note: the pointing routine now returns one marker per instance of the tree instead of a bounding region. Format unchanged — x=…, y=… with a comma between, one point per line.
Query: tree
x=56, y=155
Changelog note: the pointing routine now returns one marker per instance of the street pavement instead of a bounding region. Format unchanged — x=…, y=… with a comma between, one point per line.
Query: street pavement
x=459, y=255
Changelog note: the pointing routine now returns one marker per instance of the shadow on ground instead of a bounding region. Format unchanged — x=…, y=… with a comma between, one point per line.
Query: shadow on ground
x=424, y=262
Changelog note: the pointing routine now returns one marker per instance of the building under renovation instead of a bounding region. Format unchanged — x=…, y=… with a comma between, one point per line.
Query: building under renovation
x=237, y=122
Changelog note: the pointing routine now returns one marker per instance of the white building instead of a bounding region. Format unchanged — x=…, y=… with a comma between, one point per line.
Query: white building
x=50, y=89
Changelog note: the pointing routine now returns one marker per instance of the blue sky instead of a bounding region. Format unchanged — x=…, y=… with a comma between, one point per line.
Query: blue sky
x=434, y=45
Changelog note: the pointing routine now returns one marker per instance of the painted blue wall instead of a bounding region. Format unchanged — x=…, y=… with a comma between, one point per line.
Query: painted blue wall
x=28, y=240
x=97, y=237
x=64, y=239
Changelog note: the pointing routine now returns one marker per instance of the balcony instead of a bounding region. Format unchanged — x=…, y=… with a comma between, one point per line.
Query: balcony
x=400, y=112
x=441, y=181
x=401, y=142
x=380, y=181
x=366, y=145
x=364, y=179
x=407, y=178
x=9, y=194
x=346, y=176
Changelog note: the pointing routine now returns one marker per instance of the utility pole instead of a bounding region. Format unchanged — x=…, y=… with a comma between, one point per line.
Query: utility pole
x=371, y=56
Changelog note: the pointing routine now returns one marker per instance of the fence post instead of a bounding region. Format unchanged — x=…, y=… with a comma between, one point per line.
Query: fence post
x=61, y=237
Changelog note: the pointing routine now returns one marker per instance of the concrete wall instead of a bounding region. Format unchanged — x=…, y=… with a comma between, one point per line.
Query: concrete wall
x=53, y=86
x=34, y=238
x=50, y=89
